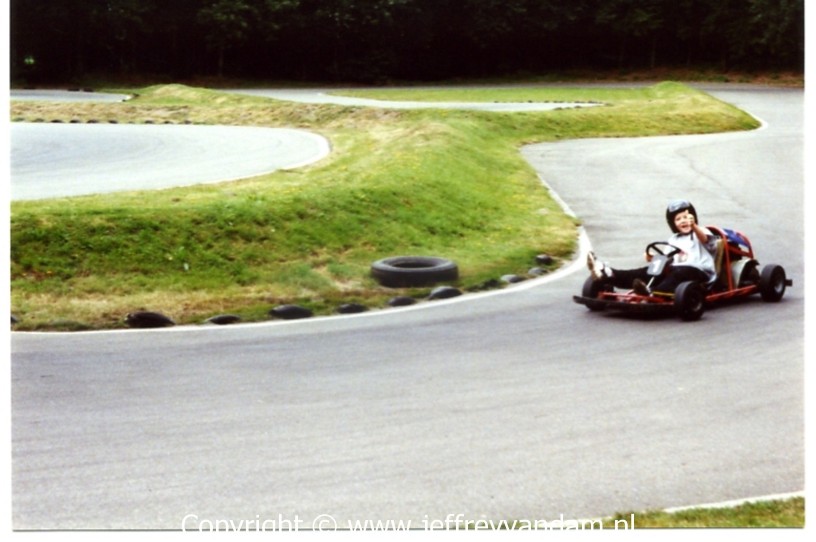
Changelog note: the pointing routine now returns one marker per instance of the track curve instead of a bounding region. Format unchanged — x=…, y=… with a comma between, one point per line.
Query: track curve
x=516, y=404
x=53, y=95
x=326, y=96
x=62, y=160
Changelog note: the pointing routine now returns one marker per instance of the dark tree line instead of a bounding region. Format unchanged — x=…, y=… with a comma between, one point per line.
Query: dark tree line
x=370, y=40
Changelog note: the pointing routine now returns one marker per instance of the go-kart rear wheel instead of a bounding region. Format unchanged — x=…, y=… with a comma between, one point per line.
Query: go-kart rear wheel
x=772, y=283
x=591, y=290
x=689, y=301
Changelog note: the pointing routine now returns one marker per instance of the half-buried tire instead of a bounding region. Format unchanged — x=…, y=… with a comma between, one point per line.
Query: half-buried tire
x=406, y=271
x=147, y=320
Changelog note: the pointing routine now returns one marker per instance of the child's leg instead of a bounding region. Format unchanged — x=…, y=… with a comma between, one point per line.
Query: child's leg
x=623, y=278
x=677, y=275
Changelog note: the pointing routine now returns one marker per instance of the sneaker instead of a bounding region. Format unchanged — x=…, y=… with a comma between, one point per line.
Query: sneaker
x=599, y=270
x=640, y=287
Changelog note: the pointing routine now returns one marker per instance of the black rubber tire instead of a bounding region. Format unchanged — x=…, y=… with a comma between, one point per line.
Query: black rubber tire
x=591, y=289
x=223, y=319
x=351, y=308
x=444, y=292
x=772, y=283
x=689, y=300
x=407, y=271
x=401, y=301
x=290, y=312
x=147, y=320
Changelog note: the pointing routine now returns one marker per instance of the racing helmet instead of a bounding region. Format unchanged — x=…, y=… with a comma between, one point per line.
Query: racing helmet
x=676, y=207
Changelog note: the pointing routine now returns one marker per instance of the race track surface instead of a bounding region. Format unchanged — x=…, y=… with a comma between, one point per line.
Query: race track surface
x=336, y=97
x=516, y=404
x=56, y=160
x=53, y=95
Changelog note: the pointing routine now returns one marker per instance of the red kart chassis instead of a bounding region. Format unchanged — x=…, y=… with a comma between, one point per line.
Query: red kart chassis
x=738, y=275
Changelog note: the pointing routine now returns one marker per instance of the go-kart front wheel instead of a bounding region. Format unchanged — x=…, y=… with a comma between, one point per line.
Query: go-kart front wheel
x=689, y=301
x=591, y=290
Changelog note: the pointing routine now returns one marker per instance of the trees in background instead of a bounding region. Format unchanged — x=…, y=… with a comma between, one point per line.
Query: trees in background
x=368, y=40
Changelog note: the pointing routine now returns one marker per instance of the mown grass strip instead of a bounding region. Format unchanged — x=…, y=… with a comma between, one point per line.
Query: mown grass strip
x=444, y=183
x=782, y=513
x=776, y=513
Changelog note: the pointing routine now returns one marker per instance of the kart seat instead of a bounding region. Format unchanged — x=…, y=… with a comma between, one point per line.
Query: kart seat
x=719, y=253
x=719, y=258
x=730, y=247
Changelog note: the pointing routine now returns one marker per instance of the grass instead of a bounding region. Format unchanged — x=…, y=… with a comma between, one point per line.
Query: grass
x=785, y=513
x=444, y=183
x=780, y=513
x=489, y=94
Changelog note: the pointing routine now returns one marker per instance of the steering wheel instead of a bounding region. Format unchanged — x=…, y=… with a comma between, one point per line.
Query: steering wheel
x=663, y=248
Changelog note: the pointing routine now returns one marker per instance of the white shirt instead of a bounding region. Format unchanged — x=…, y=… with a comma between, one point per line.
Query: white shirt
x=695, y=253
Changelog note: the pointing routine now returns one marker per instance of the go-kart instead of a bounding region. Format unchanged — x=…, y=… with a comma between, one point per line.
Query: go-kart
x=738, y=275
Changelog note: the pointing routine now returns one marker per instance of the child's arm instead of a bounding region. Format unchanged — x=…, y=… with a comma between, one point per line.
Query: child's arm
x=701, y=233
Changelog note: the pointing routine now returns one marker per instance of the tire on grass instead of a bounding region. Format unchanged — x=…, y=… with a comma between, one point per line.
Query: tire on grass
x=408, y=271
x=148, y=320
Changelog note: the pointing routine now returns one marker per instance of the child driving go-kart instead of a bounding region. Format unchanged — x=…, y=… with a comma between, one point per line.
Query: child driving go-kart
x=692, y=257
x=696, y=267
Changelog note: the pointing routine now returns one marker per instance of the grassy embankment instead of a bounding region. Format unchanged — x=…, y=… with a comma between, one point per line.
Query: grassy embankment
x=778, y=513
x=782, y=513
x=444, y=183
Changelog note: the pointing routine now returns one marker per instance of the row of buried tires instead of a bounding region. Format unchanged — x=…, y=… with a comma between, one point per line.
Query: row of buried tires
x=147, y=319
x=395, y=272
x=41, y=120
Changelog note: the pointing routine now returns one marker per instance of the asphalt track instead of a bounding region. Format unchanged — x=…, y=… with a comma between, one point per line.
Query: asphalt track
x=49, y=160
x=80, y=159
x=336, y=97
x=51, y=95
x=516, y=404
